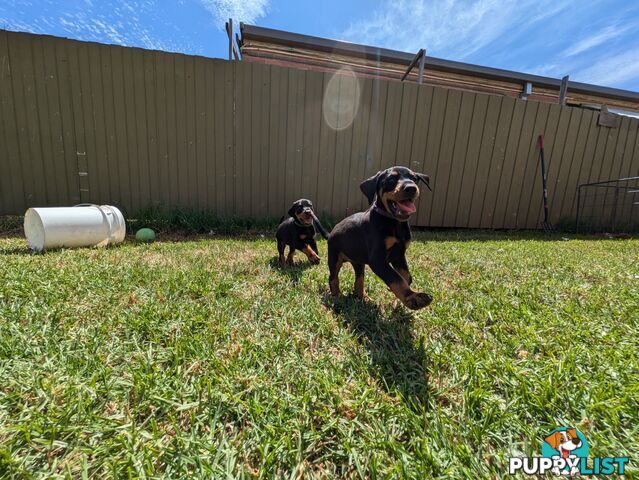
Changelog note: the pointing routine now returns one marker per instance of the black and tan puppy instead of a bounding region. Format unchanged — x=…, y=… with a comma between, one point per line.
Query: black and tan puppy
x=298, y=232
x=380, y=236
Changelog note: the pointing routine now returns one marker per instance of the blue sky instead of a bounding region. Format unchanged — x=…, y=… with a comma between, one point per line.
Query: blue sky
x=592, y=41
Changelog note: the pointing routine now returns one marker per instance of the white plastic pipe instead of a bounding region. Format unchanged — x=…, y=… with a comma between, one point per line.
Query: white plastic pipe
x=80, y=226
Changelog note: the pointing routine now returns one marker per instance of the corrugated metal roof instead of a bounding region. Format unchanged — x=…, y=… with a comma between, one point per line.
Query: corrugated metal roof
x=281, y=37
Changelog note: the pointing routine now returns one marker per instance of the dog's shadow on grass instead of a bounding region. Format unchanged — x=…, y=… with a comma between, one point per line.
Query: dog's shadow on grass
x=294, y=272
x=398, y=358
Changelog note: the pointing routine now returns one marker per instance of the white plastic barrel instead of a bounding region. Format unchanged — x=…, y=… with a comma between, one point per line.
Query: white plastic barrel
x=80, y=226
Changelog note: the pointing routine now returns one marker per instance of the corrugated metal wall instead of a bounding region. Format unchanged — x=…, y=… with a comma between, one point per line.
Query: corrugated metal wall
x=84, y=122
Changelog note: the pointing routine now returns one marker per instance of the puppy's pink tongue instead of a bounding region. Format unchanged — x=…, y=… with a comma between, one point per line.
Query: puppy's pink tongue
x=407, y=206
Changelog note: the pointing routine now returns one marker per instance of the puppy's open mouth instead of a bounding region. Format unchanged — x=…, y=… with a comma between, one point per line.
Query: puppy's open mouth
x=307, y=220
x=402, y=208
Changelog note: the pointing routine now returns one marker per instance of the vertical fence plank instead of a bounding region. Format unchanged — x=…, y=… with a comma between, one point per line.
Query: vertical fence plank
x=191, y=120
x=100, y=173
x=200, y=132
x=276, y=128
x=161, y=102
x=374, y=160
x=182, y=142
x=150, y=113
x=520, y=160
x=433, y=144
x=497, y=161
x=483, y=172
x=116, y=70
x=326, y=155
x=132, y=134
x=220, y=145
x=508, y=165
x=344, y=135
x=229, y=136
x=211, y=138
x=554, y=142
x=418, y=160
x=469, y=169
x=391, y=124
x=298, y=136
x=458, y=159
x=406, y=132
x=25, y=111
x=173, y=147
x=359, y=148
x=294, y=77
x=258, y=173
x=89, y=162
x=525, y=192
x=570, y=182
x=313, y=115
x=11, y=194
x=113, y=177
x=244, y=138
x=79, y=122
x=48, y=125
x=561, y=177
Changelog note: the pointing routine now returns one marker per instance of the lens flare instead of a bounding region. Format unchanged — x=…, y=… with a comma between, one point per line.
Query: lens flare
x=341, y=99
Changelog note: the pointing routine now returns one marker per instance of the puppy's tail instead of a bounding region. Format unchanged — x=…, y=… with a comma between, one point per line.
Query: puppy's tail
x=319, y=226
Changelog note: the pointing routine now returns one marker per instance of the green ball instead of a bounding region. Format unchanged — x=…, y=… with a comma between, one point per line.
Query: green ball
x=145, y=235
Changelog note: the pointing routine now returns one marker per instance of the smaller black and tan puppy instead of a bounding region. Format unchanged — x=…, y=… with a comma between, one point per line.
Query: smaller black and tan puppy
x=298, y=232
x=380, y=236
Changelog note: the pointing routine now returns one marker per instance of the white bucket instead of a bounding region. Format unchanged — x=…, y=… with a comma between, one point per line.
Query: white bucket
x=79, y=226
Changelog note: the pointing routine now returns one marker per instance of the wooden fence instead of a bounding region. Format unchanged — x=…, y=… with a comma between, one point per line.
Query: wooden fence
x=85, y=122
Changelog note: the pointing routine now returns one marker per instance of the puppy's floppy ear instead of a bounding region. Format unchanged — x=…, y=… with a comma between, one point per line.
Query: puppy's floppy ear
x=424, y=178
x=291, y=211
x=369, y=186
x=573, y=432
x=553, y=440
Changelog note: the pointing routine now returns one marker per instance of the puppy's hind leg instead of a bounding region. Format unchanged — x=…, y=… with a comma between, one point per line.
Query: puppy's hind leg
x=359, y=280
x=290, y=259
x=280, y=250
x=334, y=265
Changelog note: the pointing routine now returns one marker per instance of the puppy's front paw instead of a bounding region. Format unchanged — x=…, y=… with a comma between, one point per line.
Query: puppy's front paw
x=418, y=300
x=314, y=260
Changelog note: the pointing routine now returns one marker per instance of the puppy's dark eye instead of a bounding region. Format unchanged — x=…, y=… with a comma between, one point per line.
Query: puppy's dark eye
x=390, y=182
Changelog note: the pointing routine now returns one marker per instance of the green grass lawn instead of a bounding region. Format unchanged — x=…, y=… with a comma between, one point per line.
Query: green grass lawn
x=201, y=358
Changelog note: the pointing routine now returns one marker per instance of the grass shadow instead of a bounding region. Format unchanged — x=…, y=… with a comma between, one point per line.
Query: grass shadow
x=294, y=272
x=398, y=358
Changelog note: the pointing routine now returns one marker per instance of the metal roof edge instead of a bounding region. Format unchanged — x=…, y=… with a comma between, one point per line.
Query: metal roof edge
x=253, y=32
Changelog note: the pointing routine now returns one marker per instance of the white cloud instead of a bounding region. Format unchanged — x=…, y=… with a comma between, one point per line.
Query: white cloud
x=608, y=33
x=612, y=70
x=239, y=10
x=546, y=37
x=451, y=28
